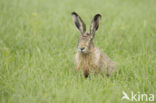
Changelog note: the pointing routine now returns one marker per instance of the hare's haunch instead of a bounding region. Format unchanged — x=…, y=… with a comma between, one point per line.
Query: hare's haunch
x=89, y=57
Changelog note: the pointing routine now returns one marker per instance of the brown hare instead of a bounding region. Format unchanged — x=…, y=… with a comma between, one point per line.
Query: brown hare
x=88, y=57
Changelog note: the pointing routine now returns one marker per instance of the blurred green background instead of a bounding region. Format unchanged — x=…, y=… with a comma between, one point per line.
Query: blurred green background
x=38, y=41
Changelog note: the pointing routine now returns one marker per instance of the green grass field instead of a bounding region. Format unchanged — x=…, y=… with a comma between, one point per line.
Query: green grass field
x=38, y=41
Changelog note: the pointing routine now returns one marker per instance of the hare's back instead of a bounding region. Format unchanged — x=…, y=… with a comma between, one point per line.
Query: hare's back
x=106, y=61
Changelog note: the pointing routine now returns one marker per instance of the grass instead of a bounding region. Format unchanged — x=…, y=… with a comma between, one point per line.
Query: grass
x=38, y=42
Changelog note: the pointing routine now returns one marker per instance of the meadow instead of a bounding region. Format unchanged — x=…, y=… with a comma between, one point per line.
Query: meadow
x=38, y=43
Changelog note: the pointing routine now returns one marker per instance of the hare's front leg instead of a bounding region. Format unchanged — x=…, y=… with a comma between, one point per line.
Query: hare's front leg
x=77, y=67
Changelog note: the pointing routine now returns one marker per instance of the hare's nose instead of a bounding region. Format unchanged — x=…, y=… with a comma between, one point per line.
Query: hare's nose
x=82, y=48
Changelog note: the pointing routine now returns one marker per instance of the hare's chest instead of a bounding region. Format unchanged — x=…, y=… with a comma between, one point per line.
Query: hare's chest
x=86, y=62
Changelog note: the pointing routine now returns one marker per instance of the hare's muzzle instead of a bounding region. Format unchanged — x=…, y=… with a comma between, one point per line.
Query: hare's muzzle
x=82, y=50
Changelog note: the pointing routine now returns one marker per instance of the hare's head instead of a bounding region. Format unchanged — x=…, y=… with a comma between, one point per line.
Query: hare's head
x=86, y=39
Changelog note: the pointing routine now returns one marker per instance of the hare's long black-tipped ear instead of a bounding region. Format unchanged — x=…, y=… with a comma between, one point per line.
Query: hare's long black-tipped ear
x=79, y=22
x=95, y=24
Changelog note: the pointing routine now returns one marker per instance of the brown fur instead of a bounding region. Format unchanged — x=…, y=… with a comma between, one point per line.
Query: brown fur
x=89, y=58
x=95, y=61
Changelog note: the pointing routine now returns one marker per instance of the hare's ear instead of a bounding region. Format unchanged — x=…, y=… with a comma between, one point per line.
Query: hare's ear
x=79, y=23
x=95, y=24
